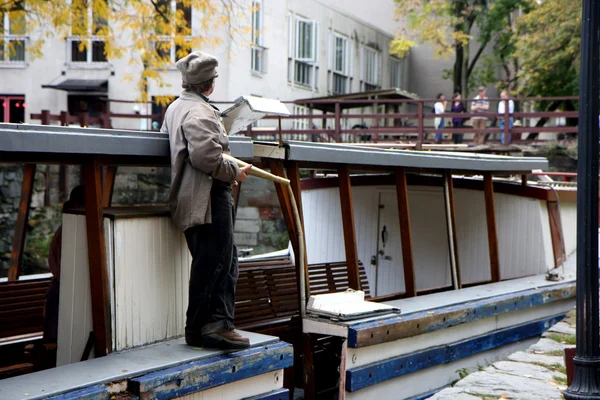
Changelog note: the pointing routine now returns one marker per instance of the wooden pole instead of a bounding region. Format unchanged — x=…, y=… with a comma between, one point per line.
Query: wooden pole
x=338, y=122
x=451, y=224
x=490, y=215
x=18, y=244
x=294, y=176
x=405, y=233
x=259, y=172
x=348, y=226
x=286, y=207
x=108, y=185
x=97, y=257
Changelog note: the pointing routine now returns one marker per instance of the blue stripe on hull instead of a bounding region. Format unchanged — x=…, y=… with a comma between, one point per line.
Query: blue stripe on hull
x=99, y=392
x=368, y=334
x=205, y=374
x=281, y=394
x=368, y=375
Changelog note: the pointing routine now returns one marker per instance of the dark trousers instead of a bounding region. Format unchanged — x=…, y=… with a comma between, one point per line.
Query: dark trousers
x=214, y=270
x=51, y=312
x=457, y=138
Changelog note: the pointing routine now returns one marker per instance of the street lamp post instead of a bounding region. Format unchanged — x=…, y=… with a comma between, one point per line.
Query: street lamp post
x=586, y=382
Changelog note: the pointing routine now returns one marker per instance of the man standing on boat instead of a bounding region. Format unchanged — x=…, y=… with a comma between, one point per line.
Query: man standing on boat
x=202, y=205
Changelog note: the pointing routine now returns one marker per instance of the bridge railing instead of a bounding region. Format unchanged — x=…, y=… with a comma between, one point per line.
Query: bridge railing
x=406, y=121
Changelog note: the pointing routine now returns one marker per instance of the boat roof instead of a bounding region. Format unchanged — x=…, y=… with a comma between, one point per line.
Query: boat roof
x=308, y=154
x=38, y=143
x=51, y=143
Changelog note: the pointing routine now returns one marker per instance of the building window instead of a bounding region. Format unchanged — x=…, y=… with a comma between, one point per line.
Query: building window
x=12, y=36
x=396, y=72
x=298, y=122
x=339, y=64
x=13, y=109
x=86, y=43
x=166, y=46
x=371, y=69
x=258, y=60
x=302, y=61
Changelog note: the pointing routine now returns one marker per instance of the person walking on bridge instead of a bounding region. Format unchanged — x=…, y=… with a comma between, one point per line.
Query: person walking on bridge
x=202, y=205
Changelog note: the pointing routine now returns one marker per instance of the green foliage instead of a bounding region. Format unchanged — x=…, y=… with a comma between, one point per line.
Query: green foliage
x=547, y=45
x=463, y=373
x=447, y=26
x=559, y=368
x=562, y=338
x=43, y=222
x=484, y=74
x=560, y=379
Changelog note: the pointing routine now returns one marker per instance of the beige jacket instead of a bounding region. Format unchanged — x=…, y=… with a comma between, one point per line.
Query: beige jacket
x=198, y=139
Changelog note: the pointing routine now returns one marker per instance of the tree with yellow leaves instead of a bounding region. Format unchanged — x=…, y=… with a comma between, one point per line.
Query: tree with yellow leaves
x=148, y=32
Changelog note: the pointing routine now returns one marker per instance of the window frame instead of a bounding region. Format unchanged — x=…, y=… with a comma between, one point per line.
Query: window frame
x=395, y=72
x=298, y=62
x=257, y=50
x=5, y=101
x=370, y=72
x=345, y=73
x=90, y=38
x=171, y=39
x=6, y=37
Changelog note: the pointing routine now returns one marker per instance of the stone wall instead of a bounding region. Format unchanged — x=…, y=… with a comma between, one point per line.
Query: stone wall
x=141, y=185
x=44, y=216
x=259, y=224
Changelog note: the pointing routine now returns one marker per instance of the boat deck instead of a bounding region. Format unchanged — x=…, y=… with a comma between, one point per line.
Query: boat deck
x=144, y=367
x=415, y=306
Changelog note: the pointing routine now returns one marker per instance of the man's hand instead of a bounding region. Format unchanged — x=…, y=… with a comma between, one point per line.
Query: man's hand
x=244, y=173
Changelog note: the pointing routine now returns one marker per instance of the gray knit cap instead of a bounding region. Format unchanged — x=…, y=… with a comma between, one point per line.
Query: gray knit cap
x=197, y=67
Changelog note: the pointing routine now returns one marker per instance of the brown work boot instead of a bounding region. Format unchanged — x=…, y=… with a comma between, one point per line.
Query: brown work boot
x=225, y=340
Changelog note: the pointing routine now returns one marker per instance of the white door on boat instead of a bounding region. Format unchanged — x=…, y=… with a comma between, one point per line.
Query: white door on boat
x=429, y=242
x=389, y=276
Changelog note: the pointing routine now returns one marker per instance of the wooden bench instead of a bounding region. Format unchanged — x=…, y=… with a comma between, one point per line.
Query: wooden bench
x=21, y=324
x=266, y=296
x=333, y=277
x=22, y=309
x=267, y=292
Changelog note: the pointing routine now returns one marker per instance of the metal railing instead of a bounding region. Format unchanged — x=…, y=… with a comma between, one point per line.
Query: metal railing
x=399, y=121
x=412, y=122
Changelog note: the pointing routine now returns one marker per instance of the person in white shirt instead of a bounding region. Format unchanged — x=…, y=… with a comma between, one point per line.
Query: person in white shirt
x=502, y=110
x=439, y=108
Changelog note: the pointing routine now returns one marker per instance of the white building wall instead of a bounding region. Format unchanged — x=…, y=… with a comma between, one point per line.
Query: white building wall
x=348, y=18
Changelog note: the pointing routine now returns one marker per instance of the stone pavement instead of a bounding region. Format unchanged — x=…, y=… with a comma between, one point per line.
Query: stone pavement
x=536, y=374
